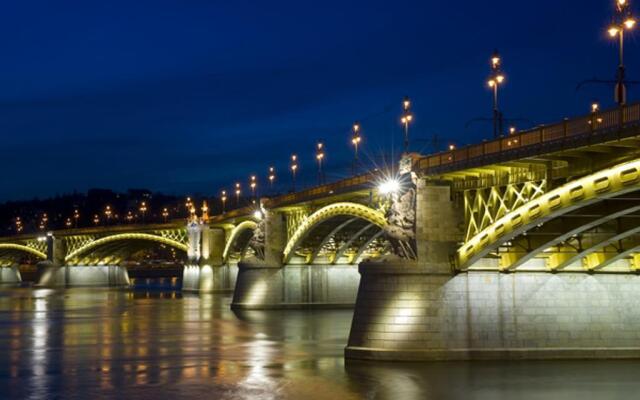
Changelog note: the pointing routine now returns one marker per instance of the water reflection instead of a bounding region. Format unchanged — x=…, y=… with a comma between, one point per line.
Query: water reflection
x=154, y=342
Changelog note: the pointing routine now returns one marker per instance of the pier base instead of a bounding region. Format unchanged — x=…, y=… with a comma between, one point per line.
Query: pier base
x=52, y=275
x=10, y=275
x=405, y=313
x=295, y=286
x=206, y=278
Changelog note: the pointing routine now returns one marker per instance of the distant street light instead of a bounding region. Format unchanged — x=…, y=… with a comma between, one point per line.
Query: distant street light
x=272, y=177
x=237, y=193
x=294, y=169
x=68, y=223
x=623, y=20
x=253, y=184
x=96, y=219
x=129, y=217
x=165, y=214
x=108, y=213
x=496, y=79
x=406, y=119
x=320, y=158
x=76, y=217
x=223, y=198
x=355, y=140
x=143, y=210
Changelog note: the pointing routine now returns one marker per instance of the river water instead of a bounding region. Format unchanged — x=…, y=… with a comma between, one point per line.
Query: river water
x=152, y=342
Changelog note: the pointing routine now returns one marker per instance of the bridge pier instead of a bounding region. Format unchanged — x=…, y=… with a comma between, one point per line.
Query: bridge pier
x=10, y=275
x=205, y=271
x=54, y=272
x=407, y=311
x=269, y=284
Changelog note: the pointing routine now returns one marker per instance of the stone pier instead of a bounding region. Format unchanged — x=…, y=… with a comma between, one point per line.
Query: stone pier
x=10, y=275
x=205, y=270
x=421, y=310
x=268, y=284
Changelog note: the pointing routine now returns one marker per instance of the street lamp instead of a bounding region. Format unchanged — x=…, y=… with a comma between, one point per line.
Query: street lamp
x=406, y=119
x=223, y=198
x=68, y=223
x=252, y=184
x=320, y=158
x=143, y=210
x=165, y=214
x=129, y=216
x=272, y=177
x=108, y=213
x=355, y=140
x=496, y=79
x=76, y=217
x=237, y=193
x=294, y=169
x=96, y=219
x=188, y=204
x=623, y=20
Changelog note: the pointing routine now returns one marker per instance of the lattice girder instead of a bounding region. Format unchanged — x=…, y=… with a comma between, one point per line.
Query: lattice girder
x=579, y=193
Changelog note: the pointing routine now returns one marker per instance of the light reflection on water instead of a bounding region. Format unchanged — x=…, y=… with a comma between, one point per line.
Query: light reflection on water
x=154, y=342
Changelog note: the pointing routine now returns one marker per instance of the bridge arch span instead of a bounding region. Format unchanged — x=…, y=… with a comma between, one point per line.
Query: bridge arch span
x=83, y=250
x=579, y=193
x=374, y=222
x=239, y=233
x=23, y=249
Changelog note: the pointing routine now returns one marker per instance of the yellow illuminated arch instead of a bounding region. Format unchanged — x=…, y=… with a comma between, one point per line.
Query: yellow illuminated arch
x=26, y=249
x=333, y=210
x=581, y=192
x=125, y=236
x=235, y=232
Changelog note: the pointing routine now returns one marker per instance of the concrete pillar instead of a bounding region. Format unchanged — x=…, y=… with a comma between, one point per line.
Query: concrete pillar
x=54, y=272
x=396, y=304
x=205, y=271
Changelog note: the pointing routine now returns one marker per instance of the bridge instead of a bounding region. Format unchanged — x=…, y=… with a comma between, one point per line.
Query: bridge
x=527, y=246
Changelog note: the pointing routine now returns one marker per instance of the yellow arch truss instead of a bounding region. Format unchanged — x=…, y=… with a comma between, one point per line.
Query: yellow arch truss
x=26, y=249
x=235, y=232
x=125, y=236
x=333, y=210
x=607, y=183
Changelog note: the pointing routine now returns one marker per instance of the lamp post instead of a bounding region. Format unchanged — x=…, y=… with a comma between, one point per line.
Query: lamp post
x=496, y=79
x=320, y=158
x=188, y=205
x=355, y=140
x=68, y=223
x=253, y=184
x=165, y=214
x=76, y=217
x=294, y=169
x=272, y=177
x=143, y=210
x=237, y=193
x=108, y=213
x=406, y=119
x=129, y=216
x=223, y=198
x=96, y=219
x=622, y=20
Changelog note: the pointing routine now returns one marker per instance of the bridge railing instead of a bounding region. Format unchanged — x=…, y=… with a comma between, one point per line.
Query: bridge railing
x=590, y=125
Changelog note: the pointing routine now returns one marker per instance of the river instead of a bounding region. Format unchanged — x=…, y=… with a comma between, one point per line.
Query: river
x=153, y=342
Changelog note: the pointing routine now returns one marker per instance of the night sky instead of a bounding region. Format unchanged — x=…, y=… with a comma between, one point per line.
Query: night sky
x=190, y=96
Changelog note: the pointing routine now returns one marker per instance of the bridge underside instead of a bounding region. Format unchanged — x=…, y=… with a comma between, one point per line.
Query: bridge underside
x=118, y=251
x=603, y=236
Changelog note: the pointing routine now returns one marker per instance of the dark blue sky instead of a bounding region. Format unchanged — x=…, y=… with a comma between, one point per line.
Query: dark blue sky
x=190, y=96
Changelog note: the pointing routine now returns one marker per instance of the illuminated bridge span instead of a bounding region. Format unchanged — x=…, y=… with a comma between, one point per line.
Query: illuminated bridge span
x=525, y=246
